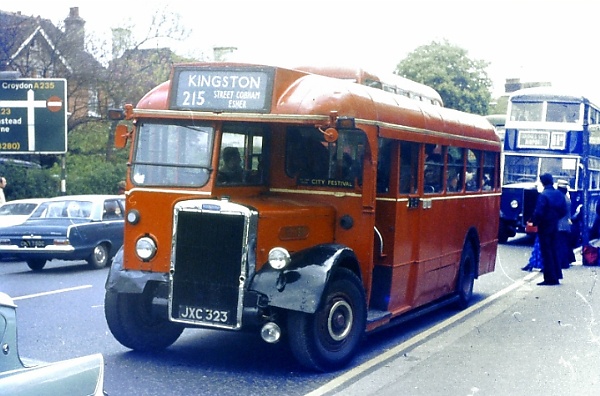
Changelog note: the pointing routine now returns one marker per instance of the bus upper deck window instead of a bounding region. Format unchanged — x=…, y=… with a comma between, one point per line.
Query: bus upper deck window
x=562, y=112
x=526, y=111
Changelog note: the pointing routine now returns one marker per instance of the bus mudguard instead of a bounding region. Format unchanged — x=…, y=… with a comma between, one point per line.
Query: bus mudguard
x=122, y=281
x=300, y=285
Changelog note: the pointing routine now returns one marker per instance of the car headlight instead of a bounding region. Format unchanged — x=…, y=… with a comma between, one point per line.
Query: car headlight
x=514, y=204
x=145, y=248
x=279, y=258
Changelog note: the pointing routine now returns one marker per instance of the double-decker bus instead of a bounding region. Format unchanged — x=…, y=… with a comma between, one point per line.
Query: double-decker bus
x=273, y=200
x=548, y=131
x=387, y=82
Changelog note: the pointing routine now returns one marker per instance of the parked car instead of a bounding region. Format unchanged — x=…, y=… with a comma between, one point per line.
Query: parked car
x=79, y=376
x=78, y=227
x=17, y=211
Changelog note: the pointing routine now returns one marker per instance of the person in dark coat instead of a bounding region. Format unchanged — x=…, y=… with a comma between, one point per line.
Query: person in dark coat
x=564, y=248
x=549, y=209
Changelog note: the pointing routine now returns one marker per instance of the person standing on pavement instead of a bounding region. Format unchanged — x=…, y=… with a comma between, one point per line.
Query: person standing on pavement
x=550, y=207
x=565, y=250
x=2, y=186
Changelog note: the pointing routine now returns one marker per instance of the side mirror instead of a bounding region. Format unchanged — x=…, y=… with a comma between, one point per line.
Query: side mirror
x=116, y=114
x=121, y=136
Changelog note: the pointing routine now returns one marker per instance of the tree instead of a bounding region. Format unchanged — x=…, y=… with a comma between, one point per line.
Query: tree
x=100, y=74
x=462, y=82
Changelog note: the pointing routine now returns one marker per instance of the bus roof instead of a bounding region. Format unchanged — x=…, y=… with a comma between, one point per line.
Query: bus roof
x=360, y=76
x=550, y=93
x=301, y=96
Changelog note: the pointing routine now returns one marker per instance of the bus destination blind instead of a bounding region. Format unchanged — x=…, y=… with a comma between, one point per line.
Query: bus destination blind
x=222, y=90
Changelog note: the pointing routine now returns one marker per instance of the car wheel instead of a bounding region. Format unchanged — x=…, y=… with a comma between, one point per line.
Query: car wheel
x=329, y=338
x=99, y=257
x=132, y=322
x=36, y=264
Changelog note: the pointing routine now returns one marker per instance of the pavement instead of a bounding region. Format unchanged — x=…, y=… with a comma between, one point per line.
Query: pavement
x=524, y=340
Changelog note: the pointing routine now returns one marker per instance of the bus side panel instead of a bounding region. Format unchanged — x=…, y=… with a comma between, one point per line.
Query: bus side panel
x=432, y=241
x=359, y=236
x=452, y=226
x=488, y=235
x=395, y=228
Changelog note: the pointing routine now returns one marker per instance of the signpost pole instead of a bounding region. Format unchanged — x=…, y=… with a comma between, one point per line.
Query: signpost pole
x=63, y=175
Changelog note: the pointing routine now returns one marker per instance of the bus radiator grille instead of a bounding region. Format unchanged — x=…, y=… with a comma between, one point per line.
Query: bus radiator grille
x=207, y=269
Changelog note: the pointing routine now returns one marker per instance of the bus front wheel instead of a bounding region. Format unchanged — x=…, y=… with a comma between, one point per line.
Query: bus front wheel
x=329, y=338
x=130, y=320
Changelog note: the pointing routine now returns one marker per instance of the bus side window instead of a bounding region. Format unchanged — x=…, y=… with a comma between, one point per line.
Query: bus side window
x=472, y=175
x=434, y=167
x=348, y=154
x=306, y=154
x=489, y=171
x=456, y=174
x=384, y=165
x=409, y=166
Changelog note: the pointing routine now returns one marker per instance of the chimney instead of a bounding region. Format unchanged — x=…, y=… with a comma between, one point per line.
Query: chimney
x=512, y=85
x=221, y=54
x=74, y=29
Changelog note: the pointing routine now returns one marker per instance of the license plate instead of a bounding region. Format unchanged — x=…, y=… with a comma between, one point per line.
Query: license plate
x=33, y=243
x=206, y=315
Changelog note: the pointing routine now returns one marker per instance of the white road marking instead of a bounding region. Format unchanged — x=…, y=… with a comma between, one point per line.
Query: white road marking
x=358, y=370
x=48, y=293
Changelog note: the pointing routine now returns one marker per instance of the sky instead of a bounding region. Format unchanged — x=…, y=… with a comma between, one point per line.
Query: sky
x=556, y=41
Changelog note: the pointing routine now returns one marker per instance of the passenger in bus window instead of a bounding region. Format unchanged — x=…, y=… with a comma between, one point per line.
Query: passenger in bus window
x=452, y=182
x=231, y=171
x=472, y=175
x=454, y=175
x=433, y=173
x=472, y=180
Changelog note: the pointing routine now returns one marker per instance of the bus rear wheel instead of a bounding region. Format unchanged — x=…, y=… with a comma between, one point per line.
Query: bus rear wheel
x=466, y=277
x=329, y=338
x=130, y=320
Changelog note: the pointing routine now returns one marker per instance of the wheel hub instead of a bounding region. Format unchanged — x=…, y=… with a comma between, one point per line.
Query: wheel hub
x=340, y=320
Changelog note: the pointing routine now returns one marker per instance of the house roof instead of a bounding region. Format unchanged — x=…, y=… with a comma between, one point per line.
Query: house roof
x=18, y=31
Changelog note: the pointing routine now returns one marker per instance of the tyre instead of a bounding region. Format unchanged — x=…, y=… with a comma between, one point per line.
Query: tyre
x=36, y=264
x=99, y=257
x=130, y=320
x=466, y=277
x=329, y=338
x=503, y=232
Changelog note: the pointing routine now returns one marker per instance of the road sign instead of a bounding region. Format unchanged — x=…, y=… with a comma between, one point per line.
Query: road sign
x=33, y=116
